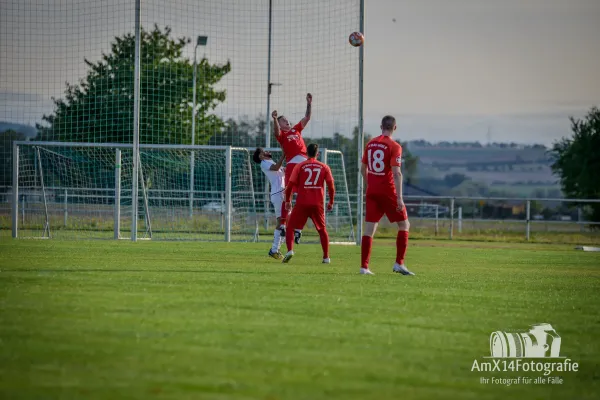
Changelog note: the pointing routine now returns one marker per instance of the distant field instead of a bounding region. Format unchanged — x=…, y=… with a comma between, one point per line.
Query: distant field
x=108, y=320
x=484, y=154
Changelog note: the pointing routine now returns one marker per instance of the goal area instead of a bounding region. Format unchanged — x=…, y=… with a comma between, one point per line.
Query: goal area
x=142, y=122
x=84, y=191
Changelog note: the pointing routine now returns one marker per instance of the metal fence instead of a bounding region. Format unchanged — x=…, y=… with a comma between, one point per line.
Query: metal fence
x=430, y=216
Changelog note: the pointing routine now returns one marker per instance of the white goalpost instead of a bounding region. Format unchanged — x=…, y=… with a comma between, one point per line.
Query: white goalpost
x=84, y=190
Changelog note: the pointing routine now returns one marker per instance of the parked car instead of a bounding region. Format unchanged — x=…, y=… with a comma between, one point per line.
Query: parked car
x=215, y=207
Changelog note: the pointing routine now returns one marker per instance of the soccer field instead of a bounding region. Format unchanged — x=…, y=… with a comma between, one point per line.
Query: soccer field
x=108, y=320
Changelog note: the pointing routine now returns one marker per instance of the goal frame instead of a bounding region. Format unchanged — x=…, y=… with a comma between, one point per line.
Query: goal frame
x=118, y=147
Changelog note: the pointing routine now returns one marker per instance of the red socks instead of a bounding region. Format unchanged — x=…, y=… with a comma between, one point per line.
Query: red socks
x=324, y=242
x=401, y=245
x=365, y=251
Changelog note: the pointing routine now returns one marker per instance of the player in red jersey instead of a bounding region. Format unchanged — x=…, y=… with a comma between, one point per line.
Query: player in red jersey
x=309, y=178
x=292, y=143
x=382, y=174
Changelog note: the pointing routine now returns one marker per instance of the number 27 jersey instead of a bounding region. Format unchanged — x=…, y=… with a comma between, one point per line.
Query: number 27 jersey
x=381, y=154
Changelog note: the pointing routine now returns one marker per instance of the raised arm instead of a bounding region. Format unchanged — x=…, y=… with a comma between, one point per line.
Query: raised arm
x=397, y=172
x=276, y=129
x=306, y=118
x=277, y=166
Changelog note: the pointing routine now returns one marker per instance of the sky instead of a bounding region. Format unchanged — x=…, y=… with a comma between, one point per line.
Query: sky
x=458, y=69
x=499, y=70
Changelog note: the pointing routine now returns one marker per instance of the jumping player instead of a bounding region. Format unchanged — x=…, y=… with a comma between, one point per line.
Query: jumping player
x=275, y=175
x=382, y=174
x=309, y=179
x=292, y=143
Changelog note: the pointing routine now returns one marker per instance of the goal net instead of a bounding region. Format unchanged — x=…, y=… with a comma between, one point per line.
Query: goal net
x=83, y=190
x=210, y=73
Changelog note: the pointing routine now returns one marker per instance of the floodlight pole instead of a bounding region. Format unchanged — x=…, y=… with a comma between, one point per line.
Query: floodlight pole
x=136, y=123
x=200, y=41
x=268, y=116
x=361, y=136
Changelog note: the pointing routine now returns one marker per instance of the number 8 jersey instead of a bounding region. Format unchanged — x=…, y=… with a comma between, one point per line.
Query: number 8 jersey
x=381, y=154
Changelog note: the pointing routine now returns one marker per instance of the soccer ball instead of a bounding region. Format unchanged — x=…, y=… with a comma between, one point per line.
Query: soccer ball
x=356, y=39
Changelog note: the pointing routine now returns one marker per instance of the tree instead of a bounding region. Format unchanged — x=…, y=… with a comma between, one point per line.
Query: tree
x=100, y=107
x=577, y=160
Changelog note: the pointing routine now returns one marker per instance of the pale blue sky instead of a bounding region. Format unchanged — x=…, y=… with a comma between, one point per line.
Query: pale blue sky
x=451, y=68
x=448, y=69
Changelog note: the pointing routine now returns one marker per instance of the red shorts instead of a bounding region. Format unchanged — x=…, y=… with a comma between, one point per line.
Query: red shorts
x=379, y=204
x=301, y=213
x=288, y=174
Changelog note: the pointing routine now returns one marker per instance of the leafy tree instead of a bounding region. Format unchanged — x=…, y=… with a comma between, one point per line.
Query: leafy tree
x=577, y=160
x=99, y=108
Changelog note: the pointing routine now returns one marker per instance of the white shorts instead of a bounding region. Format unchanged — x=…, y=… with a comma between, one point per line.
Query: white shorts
x=277, y=200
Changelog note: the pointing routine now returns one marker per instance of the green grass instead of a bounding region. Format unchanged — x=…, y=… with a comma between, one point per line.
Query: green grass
x=108, y=320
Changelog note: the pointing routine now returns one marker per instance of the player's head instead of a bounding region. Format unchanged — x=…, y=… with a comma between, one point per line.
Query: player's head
x=260, y=154
x=312, y=150
x=388, y=124
x=284, y=124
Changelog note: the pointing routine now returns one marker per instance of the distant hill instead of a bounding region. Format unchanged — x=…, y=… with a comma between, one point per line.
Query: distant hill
x=27, y=130
x=508, y=167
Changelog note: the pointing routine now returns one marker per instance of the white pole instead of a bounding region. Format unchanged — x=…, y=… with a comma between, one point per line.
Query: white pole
x=192, y=155
x=15, y=190
x=361, y=138
x=117, y=211
x=136, y=123
x=459, y=219
x=451, y=218
x=268, y=116
x=528, y=220
x=324, y=161
x=351, y=235
x=437, y=214
x=66, y=210
x=228, y=178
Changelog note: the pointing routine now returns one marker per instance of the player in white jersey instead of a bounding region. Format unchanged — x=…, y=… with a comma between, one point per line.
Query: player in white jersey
x=276, y=175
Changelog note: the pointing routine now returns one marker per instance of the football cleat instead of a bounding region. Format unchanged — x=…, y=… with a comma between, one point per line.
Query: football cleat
x=327, y=260
x=288, y=256
x=275, y=254
x=297, y=236
x=366, y=271
x=401, y=269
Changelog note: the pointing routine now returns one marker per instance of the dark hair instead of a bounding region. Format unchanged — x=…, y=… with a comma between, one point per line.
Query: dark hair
x=256, y=156
x=388, y=122
x=312, y=150
x=278, y=118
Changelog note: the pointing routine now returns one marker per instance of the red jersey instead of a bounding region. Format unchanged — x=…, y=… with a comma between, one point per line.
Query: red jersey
x=309, y=178
x=381, y=154
x=292, y=143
